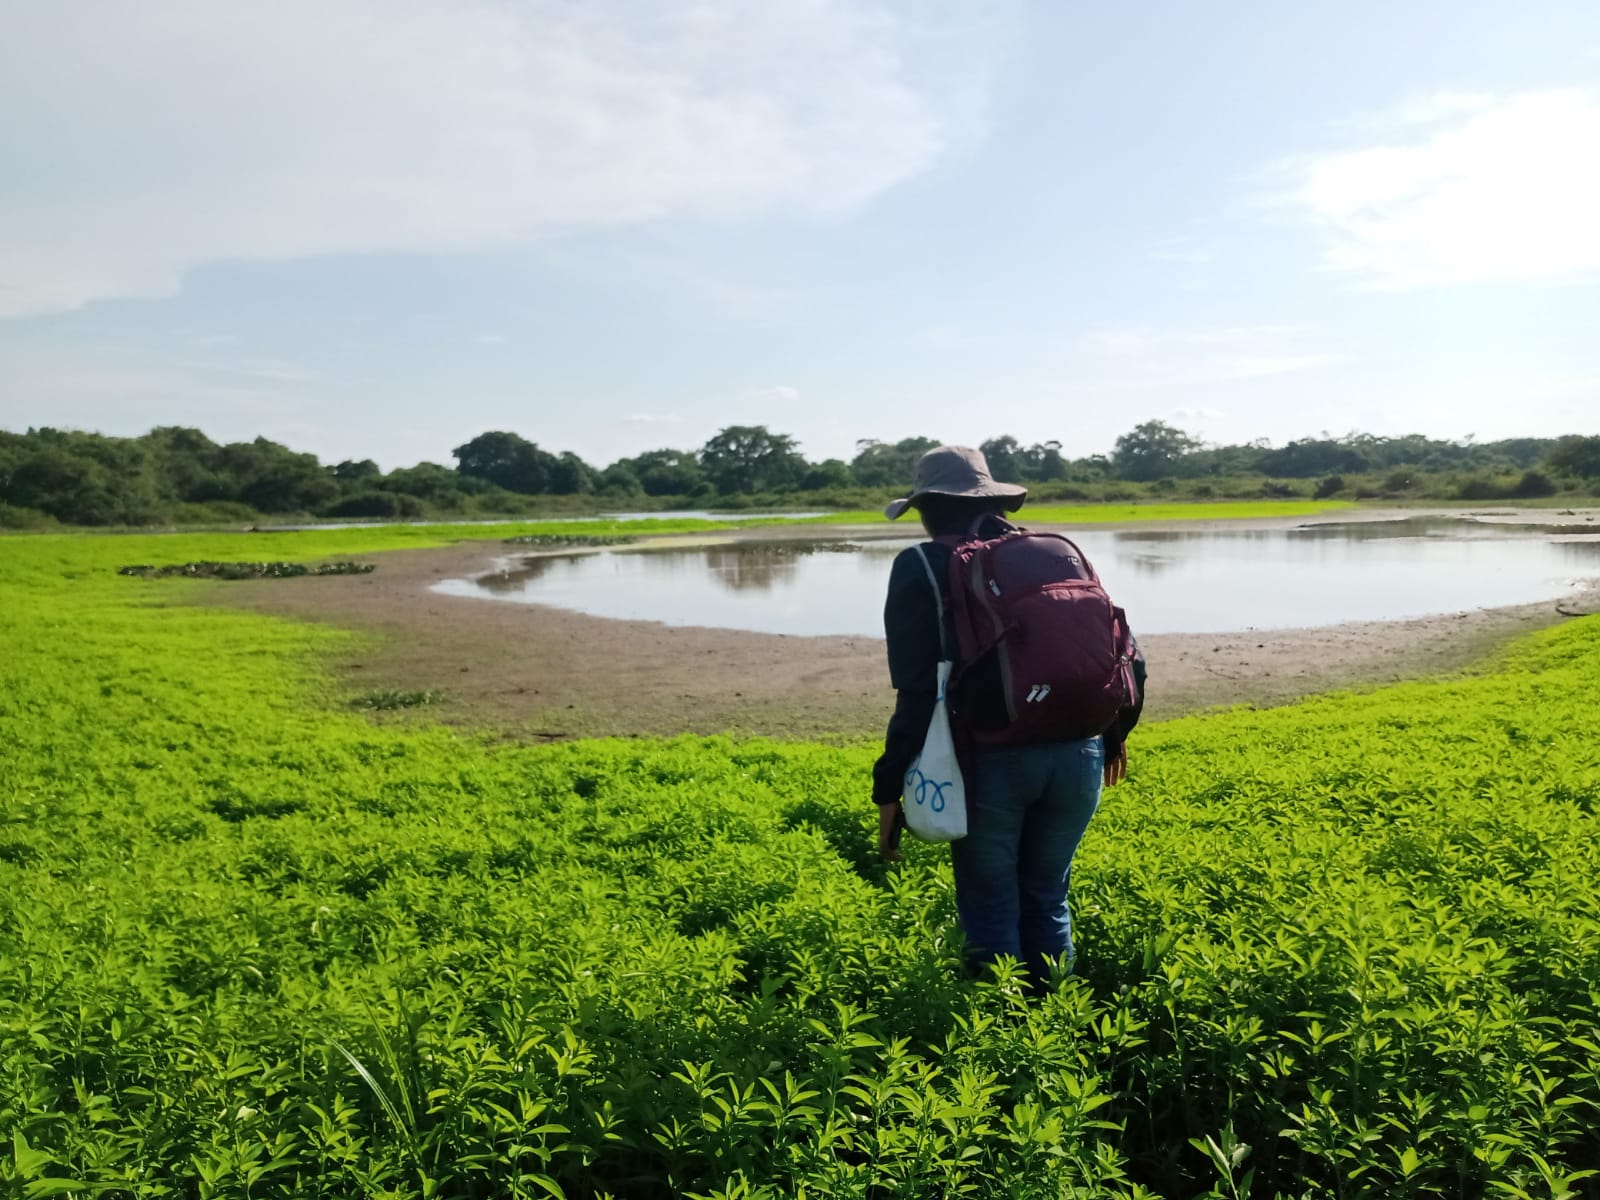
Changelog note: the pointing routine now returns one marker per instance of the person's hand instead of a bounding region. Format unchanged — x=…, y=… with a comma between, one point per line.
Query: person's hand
x=1117, y=766
x=889, y=821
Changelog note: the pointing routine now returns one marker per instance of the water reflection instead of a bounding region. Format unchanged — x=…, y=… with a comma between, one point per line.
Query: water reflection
x=761, y=566
x=1150, y=564
x=1191, y=580
x=528, y=570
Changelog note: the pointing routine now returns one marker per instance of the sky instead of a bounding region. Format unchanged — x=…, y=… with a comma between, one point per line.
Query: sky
x=377, y=228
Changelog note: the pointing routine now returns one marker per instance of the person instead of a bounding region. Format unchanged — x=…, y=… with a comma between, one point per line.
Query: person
x=1027, y=806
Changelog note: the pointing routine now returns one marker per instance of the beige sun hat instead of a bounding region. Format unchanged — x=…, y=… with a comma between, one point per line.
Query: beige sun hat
x=956, y=471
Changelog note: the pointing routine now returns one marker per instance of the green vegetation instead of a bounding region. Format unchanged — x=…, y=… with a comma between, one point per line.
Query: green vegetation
x=388, y=699
x=254, y=945
x=1102, y=514
x=178, y=476
x=558, y=541
x=244, y=570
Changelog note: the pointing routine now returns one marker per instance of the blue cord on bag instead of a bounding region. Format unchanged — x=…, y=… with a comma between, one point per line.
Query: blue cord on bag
x=922, y=784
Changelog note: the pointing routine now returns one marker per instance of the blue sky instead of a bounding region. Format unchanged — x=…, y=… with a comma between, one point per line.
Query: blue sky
x=379, y=227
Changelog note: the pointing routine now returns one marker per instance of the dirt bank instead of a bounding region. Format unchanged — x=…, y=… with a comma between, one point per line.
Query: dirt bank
x=548, y=673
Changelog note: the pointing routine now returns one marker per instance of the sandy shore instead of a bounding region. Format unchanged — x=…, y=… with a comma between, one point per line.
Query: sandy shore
x=547, y=673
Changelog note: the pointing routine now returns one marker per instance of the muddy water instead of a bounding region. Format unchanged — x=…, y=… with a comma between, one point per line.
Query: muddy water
x=1170, y=581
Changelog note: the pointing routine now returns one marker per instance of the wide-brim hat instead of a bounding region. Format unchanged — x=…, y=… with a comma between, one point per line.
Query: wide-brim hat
x=956, y=471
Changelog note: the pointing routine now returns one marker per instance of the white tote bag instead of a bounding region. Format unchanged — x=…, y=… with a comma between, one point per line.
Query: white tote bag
x=934, y=795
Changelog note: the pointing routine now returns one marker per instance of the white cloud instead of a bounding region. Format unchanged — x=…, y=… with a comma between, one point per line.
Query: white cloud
x=1465, y=189
x=781, y=393
x=490, y=339
x=1139, y=356
x=142, y=140
x=1144, y=340
x=1198, y=415
x=644, y=418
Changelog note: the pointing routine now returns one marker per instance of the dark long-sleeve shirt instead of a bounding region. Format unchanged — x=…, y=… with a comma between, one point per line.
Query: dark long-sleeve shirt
x=911, y=626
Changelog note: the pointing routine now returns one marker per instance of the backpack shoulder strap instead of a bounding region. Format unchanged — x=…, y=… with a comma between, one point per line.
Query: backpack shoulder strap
x=1007, y=526
x=938, y=601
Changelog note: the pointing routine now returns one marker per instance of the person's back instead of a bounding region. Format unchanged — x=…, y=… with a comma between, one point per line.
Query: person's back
x=1029, y=803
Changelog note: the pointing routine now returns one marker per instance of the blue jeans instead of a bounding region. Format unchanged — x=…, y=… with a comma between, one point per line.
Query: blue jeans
x=1027, y=809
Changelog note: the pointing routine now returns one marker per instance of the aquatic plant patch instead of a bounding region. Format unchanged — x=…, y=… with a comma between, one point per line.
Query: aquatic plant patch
x=560, y=540
x=389, y=698
x=245, y=570
x=252, y=944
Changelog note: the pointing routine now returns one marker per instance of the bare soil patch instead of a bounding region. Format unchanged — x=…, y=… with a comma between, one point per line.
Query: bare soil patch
x=547, y=673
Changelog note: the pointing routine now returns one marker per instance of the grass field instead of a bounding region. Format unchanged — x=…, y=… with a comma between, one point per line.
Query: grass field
x=252, y=944
x=1102, y=514
x=435, y=533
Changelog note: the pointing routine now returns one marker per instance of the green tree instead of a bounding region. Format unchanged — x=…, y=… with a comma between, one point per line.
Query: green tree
x=1004, y=456
x=187, y=462
x=618, y=480
x=1313, y=456
x=749, y=459
x=1236, y=459
x=506, y=460
x=666, y=472
x=570, y=476
x=828, y=474
x=70, y=487
x=1012, y=462
x=271, y=478
x=1578, y=456
x=1043, y=461
x=356, y=472
x=888, y=464
x=438, y=485
x=84, y=478
x=1153, y=450
x=1516, y=452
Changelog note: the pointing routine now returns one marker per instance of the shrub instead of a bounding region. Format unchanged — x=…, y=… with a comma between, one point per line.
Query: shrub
x=214, y=512
x=389, y=505
x=1064, y=491
x=12, y=517
x=1329, y=485
x=1479, y=488
x=1533, y=485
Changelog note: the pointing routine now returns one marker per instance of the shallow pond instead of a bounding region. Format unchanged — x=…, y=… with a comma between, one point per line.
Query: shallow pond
x=1170, y=581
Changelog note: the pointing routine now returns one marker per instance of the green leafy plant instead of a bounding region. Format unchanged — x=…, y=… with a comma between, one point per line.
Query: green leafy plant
x=252, y=946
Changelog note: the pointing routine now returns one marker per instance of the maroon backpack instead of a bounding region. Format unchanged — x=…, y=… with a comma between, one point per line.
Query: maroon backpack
x=1044, y=655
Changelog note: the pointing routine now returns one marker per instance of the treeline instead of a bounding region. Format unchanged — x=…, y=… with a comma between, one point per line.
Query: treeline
x=179, y=475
